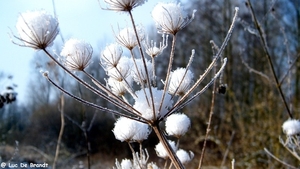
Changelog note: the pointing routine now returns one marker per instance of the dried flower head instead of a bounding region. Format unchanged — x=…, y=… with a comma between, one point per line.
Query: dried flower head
x=126, y=164
x=110, y=56
x=122, y=70
x=37, y=29
x=119, y=87
x=184, y=156
x=130, y=130
x=291, y=127
x=142, y=132
x=77, y=54
x=161, y=151
x=180, y=81
x=177, y=124
x=152, y=50
x=123, y=5
x=127, y=37
x=143, y=103
x=124, y=129
x=170, y=17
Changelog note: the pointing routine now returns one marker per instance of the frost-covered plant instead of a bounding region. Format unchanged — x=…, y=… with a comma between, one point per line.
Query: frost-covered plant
x=146, y=105
x=37, y=29
x=291, y=129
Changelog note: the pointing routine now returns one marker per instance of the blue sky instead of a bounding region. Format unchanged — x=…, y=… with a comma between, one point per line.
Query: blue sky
x=80, y=19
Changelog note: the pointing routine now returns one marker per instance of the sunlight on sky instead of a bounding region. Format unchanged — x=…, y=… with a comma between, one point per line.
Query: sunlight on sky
x=78, y=19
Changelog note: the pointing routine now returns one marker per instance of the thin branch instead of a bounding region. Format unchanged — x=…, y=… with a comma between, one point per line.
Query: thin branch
x=277, y=159
x=94, y=105
x=254, y=70
x=120, y=102
x=121, y=105
x=144, y=62
x=61, y=131
x=180, y=106
x=265, y=47
x=212, y=105
x=290, y=68
x=168, y=71
x=186, y=70
x=210, y=67
x=227, y=149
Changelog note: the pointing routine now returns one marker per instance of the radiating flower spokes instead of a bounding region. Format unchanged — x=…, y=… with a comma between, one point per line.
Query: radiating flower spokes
x=180, y=81
x=151, y=105
x=170, y=17
x=37, y=29
x=123, y=5
x=127, y=37
x=151, y=48
x=77, y=53
x=110, y=56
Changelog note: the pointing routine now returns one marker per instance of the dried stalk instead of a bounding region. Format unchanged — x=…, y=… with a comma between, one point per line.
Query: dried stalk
x=265, y=47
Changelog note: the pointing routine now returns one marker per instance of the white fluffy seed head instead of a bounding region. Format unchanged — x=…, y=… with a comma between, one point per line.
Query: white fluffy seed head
x=177, y=124
x=110, y=56
x=161, y=151
x=141, y=103
x=126, y=164
x=77, y=53
x=123, y=129
x=291, y=127
x=142, y=132
x=127, y=37
x=37, y=29
x=119, y=87
x=170, y=17
x=122, y=70
x=130, y=130
x=180, y=81
x=184, y=156
x=123, y=5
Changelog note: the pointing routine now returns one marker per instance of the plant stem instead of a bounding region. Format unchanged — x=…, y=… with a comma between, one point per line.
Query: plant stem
x=168, y=71
x=144, y=62
x=172, y=155
x=265, y=47
x=62, y=126
x=209, y=122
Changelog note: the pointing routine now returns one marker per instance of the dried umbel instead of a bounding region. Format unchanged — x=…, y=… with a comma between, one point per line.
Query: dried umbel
x=37, y=29
x=170, y=17
x=130, y=130
x=127, y=37
x=143, y=104
x=110, y=56
x=181, y=80
x=77, y=54
x=184, y=156
x=123, y=5
x=177, y=124
x=149, y=104
x=291, y=127
x=161, y=151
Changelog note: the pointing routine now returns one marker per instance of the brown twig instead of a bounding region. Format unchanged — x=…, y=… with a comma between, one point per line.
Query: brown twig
x=265, y=47
x=209, y=121
x=61, y=131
